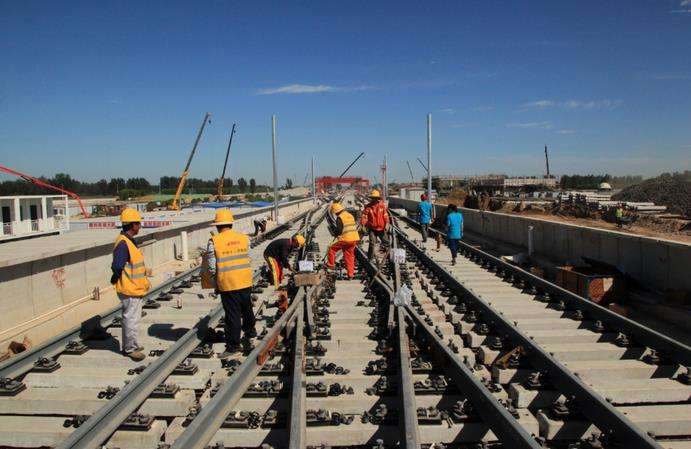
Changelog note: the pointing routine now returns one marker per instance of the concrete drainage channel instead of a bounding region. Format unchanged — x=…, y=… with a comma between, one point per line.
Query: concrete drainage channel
x=81, y=393
x=573, y=374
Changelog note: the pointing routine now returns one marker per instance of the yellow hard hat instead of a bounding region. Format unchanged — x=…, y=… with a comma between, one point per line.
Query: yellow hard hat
x=300, y=239
x=130, y=215
x=224, y=217
x=375, y=194
x=336, y=208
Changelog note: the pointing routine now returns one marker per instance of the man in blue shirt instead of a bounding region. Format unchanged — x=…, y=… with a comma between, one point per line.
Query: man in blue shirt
x=454, y=224
x=424, y=209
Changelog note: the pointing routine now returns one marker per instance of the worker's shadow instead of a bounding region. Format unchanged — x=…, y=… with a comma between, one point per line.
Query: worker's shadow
x=166, y=331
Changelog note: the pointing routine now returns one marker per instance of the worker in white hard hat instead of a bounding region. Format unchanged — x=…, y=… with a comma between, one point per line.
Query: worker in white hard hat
x=130, y=281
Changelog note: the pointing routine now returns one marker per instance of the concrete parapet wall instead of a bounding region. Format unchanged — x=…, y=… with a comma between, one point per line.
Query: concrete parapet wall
x=657, y=263
x=31, y=289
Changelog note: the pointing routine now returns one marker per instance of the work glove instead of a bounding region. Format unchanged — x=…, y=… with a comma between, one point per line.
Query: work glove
x=114, y=278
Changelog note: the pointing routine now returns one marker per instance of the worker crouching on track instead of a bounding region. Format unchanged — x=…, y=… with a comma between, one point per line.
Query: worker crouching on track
x=229, y=263
x=347, y=238
x=276, y=257
x=259, y=226
x=454, y=224
x=375, y=219
x=131, y=283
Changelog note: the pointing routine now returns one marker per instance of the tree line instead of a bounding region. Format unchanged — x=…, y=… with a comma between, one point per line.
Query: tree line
x=131, y=187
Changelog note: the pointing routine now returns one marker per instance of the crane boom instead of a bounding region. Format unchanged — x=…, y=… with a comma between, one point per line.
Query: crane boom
x=219, y=192
x=412, y=178
x=38, y=182
x=185, y=172
x=422, y=163
x=351, y=164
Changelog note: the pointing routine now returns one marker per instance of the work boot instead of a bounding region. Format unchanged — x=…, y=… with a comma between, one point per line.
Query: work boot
x=230, y=351
x=453, y=261
x=137, y=356
x=251, y=334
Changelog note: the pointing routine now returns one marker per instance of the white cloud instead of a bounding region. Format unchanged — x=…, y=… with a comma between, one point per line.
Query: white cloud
x=483, y=108
x=309, y=89
x=605, y=104
x=531, y=125
x=685, y=3
x=540, y=104
x=449, y=111
x=566, y=131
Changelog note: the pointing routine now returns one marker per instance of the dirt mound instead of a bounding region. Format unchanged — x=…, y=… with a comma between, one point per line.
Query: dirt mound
x=673, y=191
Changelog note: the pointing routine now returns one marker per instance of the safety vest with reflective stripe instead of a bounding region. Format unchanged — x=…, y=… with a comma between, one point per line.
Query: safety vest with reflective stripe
x=133, y=280
x=349, y=233
x=233, y=269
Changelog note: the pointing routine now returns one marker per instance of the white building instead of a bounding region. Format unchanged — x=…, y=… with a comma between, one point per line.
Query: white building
x=31, y=215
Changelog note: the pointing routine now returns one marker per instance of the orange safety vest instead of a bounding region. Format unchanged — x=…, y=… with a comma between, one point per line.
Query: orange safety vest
x=133, y=280
x=233, y=268
x=349, y=233
x=375, y=216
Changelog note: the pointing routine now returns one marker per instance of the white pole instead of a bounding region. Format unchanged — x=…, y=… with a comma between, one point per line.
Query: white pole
x=273, y=156
x=314, y=191
x=429, y=156
x=185, y=247
x=530, y=240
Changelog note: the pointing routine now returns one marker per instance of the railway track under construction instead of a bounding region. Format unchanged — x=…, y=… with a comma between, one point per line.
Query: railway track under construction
x=410, y=353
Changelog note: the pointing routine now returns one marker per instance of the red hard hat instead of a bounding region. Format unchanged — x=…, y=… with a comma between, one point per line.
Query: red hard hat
x=423, y=197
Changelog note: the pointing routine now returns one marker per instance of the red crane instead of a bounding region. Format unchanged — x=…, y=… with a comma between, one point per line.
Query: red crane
x=38, y=182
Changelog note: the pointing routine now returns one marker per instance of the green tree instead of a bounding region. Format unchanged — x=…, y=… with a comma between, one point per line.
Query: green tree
x=289, y=183
x=242, y=184
x=253, y=185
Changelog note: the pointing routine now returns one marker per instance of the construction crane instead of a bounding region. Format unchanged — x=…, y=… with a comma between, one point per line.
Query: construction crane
x=412, y=178
x=422, y=163
x=351, y=164
x=185, y=172
x=219, y=192
x=547, y=161
x=40, y=183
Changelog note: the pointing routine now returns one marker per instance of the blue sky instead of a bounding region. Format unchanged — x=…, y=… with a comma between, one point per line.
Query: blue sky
x=104, y=89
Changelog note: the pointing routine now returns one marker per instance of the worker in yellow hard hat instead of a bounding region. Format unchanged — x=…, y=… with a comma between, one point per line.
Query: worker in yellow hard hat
x=130, y=281
x=230, y=264
x=375, y=221
x=276, y=256
x=347, y=238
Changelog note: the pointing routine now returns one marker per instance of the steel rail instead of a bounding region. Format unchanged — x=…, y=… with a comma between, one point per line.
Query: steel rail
x=23, y=362
x=410, y=431
x=664, y=345
x=298, y=417
x=593, y=406
x=507, y=429
x=203, y=428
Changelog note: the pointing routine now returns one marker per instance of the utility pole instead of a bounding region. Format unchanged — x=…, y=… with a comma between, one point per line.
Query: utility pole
x=547, y=160
x=273, y=159
x=429, y=156
x=314, y=192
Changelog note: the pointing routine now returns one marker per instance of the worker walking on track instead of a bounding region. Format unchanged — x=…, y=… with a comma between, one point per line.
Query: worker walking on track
x=131, y=283
x=454, y=224
x=276, y=257
x=375, y=220
x=347, y=238
x=229, y=262
x=424, y=209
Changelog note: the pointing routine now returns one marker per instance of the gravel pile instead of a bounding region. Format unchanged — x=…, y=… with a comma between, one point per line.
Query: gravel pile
x=673, y=191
